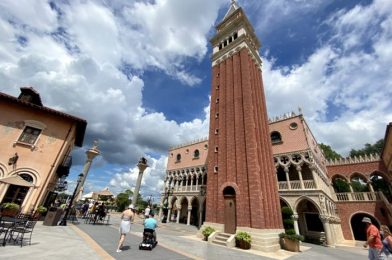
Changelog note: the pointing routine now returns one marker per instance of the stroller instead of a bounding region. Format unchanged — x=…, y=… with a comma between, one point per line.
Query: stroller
x=149, y=242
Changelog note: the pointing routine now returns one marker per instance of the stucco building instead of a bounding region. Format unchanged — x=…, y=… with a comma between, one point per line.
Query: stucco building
x=36, y=143
x=251, y=166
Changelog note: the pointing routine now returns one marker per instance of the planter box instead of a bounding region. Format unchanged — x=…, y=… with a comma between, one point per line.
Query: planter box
x=9, y=212
x=242, y=244
x=289, y=245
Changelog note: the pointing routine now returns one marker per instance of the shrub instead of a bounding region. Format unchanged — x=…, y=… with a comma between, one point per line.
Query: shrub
x=286, y=211
x=10, y=206
x=294, y=237
x=288, y=223
x=287, y=214
x=242, y=235
x=208, y=231
x=41, y=209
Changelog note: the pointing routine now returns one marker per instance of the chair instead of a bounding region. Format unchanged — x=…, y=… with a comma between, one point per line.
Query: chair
x=20, y=229
x=7, y=223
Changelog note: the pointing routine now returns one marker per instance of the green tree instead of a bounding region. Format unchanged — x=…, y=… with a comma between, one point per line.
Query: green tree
x=288, y=222
x=341, y=185
x=369, y=149
x=122, y=199
x=329, y=153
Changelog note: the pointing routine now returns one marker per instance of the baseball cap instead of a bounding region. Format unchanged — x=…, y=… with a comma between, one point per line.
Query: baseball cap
x=131, y=206
x=366, y=220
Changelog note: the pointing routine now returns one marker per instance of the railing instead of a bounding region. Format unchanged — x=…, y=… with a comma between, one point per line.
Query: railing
x=188, y=188
x=296, y=185
x=358, y=196
x=309, y=184
x=283, y=185
x=64, y=167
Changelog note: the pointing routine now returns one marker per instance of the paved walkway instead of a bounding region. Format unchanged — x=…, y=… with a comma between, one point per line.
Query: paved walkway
x=176, y=241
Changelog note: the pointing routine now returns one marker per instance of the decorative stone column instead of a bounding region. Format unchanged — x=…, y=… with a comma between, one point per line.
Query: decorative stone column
x=296, y=228
x=325, y=220
x=369, y=183
x=301, y=181
x=91, y=154
x=315, y=179
x=169, y=214
x=188, y=221
x=286, y=171
x=142, y=165
x=200, y=215
x=178, y=215
x=351, y=187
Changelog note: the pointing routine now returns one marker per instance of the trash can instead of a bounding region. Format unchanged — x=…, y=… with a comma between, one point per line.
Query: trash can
x=53, y=216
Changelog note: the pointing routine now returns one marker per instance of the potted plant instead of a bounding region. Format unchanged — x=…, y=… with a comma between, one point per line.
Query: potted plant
x=289, y=240
x=243, y=240
x=42, y=210
x=10, y=209
x=207, y=232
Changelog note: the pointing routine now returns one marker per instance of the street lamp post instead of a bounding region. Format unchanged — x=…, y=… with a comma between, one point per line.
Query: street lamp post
x=64, y=220
x=142, y=165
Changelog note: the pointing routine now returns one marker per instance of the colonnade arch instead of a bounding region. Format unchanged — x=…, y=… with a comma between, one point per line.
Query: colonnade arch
x=376, y=181
x=358, y=228
x=189, y=210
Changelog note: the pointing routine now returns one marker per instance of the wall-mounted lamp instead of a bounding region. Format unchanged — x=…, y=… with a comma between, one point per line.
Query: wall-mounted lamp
x=13, y=160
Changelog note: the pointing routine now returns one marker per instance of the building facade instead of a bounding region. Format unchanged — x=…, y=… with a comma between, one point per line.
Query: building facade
x=36, y=143
x=306, y=181
x=251, y=166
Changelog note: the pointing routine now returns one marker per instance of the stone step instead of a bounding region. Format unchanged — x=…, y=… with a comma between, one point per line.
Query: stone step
x=219, y=243
x=223, y=239
x=223, y=234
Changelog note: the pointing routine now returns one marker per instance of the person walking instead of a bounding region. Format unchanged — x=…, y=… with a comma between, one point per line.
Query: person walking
x=125, y=226
x=147, y=212
x=373, y=240
x=386, y=238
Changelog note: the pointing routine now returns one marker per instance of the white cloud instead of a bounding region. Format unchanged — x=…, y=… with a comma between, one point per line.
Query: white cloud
x=343, y=79
x=77, y=70
x=152, y=180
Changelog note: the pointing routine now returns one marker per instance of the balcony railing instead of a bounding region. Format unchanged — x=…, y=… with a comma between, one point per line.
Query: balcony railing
x=358, y=196
x=296, y=185
x=188, y=188
x=63, y=168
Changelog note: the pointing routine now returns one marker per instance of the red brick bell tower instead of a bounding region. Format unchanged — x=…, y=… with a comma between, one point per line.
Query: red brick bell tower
x=242, y=186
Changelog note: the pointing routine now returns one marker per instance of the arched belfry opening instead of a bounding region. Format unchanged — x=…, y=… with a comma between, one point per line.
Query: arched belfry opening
x=230, y=210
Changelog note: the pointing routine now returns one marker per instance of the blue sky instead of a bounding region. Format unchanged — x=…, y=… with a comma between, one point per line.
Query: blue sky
x=139, y=72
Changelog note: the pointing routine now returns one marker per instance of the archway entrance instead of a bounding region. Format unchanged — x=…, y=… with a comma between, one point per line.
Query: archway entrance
x=184, y=211
x=230, y=210
x=173, y=214
x=310, y=225
x=195, y=212
x=359, y=228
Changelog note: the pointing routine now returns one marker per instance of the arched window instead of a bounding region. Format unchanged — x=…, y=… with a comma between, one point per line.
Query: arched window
x=27, y=177
x=178, y=157
x=276, y=137
x=196, y=154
